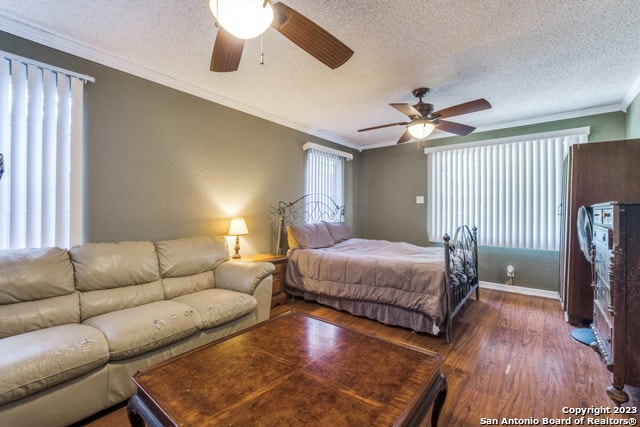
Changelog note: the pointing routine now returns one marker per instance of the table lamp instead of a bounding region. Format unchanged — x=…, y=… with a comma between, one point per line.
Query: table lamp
x=237, y=228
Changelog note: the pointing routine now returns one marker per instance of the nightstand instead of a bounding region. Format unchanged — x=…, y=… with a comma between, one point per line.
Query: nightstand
x=280, y=261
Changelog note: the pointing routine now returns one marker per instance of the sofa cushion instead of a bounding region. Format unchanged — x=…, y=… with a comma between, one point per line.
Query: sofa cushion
x=140, y=329
x=36, y=360
x=95, y=303
x=32, y=315
x=36, y=290
x=34, y=274
x=190, y=255
x=219, y=306
x=186, y=265
x=176, y=286
x=113, y=265
x=115, y=276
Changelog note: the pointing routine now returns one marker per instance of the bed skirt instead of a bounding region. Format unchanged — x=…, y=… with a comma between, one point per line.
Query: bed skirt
x=384, y=313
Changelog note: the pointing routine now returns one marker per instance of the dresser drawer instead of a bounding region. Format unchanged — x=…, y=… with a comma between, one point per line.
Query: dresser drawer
x=279, y=268
x=278, y=284
x=603, y=215
x=602, y=236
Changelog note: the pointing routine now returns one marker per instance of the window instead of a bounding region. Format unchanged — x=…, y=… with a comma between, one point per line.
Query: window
x=509, y=188
x=41, y=144
x=325, y=173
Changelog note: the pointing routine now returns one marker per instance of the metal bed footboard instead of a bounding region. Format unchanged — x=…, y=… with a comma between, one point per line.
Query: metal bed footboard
x=458, y=292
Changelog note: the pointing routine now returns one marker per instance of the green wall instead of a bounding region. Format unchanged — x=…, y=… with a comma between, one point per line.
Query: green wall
x=160, y=163
x=391, y=178
x=633, y=119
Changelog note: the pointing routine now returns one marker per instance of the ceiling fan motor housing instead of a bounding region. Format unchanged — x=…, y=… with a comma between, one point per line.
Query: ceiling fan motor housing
x=424, y=108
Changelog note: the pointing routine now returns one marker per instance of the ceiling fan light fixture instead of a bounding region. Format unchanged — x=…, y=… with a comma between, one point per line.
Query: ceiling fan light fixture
x=421, y=129
x=244, y=19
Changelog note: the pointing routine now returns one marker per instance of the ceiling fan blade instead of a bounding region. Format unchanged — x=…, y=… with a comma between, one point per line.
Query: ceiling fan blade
x=407, y=109
x=310, y=36
x=227, y=51
x=453, y=127
x=406, y=136
x=383, y=126
x=464, y=108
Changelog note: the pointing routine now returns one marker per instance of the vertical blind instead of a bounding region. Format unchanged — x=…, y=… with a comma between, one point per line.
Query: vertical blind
x=510, y=189
x=325, y=175
x=41, y=131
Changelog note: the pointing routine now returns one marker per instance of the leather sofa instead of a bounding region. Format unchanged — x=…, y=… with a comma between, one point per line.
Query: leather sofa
x=76, y=324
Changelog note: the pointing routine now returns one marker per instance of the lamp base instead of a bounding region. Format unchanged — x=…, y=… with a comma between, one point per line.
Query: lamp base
x=237, y=248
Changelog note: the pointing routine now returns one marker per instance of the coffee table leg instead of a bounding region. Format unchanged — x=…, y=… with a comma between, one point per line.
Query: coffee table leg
x=139, y=415
x=439, y=401
x=133, y=412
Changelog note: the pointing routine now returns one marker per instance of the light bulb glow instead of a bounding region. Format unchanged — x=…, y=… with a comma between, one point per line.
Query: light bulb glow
x=244, y=19
x=421, y=129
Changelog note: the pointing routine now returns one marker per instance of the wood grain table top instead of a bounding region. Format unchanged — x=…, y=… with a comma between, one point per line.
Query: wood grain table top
x=294, y=369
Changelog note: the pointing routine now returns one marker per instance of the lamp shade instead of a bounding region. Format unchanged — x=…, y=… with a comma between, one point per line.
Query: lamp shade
x=244, y=19
x=238, y=227
x=421, y=129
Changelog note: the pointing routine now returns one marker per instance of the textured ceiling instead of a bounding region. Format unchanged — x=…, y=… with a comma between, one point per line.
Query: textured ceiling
x=544, y=60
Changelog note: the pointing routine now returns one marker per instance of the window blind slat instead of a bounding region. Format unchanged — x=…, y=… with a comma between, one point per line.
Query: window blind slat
x=76, y=176
x=62, y=172
x=34, y=157
x=17, y=156
x=49, y=159
x=5, y=147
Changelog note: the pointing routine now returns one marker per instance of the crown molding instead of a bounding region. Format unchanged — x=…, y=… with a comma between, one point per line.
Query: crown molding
x=631, y=94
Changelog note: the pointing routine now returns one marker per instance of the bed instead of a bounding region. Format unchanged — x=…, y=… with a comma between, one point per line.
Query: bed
x=395, y=283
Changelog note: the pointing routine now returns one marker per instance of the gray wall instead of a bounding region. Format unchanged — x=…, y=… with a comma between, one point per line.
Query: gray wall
x=161, y=164
x=392, y=177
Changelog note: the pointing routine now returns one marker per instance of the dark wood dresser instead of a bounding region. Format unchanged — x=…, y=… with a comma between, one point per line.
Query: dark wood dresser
x=594, y=173
x=616, y=282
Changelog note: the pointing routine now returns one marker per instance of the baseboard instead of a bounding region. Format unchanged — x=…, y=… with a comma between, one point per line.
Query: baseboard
x=520, y=290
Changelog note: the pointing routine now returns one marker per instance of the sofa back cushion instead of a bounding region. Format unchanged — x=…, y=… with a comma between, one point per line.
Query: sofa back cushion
x=115, y=276
x=186, y=265
x=36, y=290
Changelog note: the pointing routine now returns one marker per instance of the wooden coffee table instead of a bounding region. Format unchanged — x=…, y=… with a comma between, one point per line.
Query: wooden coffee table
x=294, y=369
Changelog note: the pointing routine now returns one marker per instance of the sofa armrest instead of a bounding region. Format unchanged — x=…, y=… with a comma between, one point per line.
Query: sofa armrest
x=241, y=276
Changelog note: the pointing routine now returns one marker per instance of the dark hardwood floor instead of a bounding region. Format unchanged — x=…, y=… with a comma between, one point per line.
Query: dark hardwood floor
x=511, y=356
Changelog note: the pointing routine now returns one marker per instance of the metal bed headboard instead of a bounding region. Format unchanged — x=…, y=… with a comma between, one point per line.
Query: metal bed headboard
x=308, y=209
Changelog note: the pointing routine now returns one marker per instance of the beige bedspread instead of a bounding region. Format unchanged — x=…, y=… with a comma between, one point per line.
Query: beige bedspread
x=393, y=273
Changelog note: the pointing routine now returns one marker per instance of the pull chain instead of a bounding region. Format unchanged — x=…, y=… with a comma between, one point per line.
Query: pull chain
x=261, y=49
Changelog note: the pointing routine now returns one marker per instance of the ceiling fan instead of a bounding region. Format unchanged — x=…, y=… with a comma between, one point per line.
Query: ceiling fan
x=424, y=120
x=313, y=39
